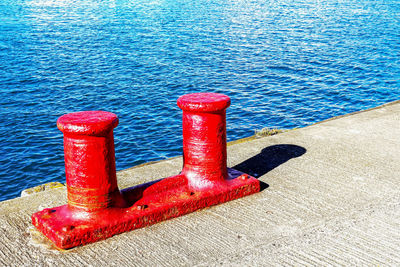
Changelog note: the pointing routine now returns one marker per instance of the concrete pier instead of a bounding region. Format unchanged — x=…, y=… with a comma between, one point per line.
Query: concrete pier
x=331, y=196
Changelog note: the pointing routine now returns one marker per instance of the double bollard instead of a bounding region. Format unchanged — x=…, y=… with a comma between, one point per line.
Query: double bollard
x=97, y=209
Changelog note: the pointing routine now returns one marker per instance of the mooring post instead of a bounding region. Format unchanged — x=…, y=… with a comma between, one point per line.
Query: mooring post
x=90, y=159
x=204, y=138
x=97, y=210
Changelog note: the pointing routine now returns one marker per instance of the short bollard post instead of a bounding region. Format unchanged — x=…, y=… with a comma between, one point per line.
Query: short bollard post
x=97, y=210
x=90, y=159
x=204, y=138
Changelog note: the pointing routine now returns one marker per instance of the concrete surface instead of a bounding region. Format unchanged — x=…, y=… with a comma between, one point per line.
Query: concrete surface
x=331, y=197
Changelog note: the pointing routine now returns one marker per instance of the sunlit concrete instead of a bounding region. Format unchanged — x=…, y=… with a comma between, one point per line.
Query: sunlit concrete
x=331, y=195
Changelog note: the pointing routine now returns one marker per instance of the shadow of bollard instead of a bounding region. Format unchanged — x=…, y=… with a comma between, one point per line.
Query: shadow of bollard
x=268, y=159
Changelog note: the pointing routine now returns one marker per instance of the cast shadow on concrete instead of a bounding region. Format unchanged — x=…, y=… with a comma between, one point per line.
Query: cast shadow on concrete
x=268, y=159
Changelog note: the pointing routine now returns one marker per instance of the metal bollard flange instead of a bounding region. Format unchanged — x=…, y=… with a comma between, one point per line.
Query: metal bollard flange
x=97, y=210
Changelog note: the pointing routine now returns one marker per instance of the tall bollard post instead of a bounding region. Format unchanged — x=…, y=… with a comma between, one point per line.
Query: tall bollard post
x=97, y=210
x=90, y=160
x=204, y=138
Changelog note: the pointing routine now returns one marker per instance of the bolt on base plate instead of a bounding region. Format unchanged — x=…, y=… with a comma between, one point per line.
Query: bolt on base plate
x=148, y=203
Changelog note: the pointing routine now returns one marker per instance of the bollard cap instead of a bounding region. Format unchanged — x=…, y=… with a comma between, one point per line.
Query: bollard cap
x=204, y=102
x=96, y=123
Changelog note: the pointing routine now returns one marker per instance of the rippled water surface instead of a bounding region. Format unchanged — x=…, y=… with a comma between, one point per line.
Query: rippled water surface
x=284, y=64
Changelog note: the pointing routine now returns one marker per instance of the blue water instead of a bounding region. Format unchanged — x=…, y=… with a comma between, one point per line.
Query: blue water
x=284, y=64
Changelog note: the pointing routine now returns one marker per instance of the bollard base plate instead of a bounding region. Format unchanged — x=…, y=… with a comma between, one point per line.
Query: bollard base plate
x=148, y=203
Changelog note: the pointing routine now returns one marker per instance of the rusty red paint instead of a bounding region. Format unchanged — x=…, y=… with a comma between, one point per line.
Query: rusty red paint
x=97, y=210
x=90, y=159
x=204, y=139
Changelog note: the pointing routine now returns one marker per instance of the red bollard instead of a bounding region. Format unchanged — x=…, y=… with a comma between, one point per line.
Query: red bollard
x=90, y=160
x=97, y=210
x=204, y=138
